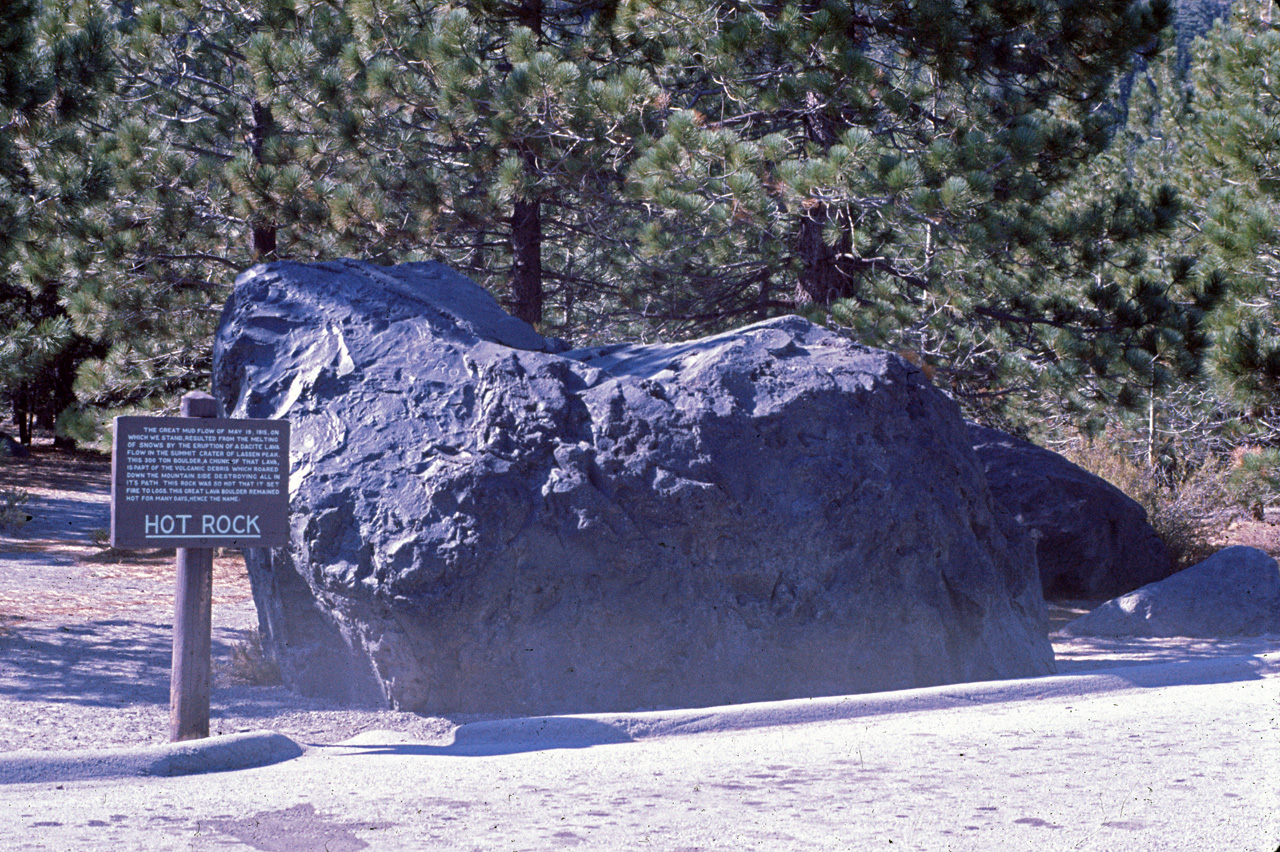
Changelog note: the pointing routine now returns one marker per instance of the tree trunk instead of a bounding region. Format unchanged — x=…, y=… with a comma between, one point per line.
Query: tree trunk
x=526, y=216
x=529, y=14
x=526, y=268
x=64, y=393
x=821, y=279
x=22, y=415
x=264, y=242
x=263, y=233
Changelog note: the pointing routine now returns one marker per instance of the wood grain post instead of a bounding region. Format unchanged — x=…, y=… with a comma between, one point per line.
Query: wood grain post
x=191, y=681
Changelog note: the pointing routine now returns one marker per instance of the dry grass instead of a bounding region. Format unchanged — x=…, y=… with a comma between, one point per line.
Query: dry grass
x=249, y=665
x=1187, y=512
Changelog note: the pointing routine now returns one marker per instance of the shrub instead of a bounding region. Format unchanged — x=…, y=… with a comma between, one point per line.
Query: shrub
x=13, y=512
x=1255, y=479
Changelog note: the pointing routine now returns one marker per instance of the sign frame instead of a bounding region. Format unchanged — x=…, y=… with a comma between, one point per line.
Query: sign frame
x=199, y=482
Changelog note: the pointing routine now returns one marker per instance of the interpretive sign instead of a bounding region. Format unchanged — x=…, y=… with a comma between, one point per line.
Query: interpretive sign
x=199, y=482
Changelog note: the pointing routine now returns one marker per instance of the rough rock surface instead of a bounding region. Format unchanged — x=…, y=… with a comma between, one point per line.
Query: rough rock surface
x=1092, y=540
x=1235, y=592
x=484, y=523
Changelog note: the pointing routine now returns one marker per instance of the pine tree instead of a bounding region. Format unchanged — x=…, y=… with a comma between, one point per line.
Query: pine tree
x=906, y=169
x=55, y=68
x=931, y=177
x=506, y=127
x=216, y=170
x=1234, y=147
x=1142, y=298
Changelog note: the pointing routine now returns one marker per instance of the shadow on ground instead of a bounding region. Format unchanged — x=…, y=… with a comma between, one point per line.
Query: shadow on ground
x=1082, y=654
x=496, y=737
x=65, y=518
x=102, y=663
x=48, y=468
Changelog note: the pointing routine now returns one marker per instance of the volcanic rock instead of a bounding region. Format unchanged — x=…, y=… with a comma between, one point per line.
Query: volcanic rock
x=482, y=522
x=1235, y=592
x=1092, y=540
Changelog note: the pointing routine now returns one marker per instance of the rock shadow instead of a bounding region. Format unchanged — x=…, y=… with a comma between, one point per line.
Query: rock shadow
x=502, y=737
x=1197, y=663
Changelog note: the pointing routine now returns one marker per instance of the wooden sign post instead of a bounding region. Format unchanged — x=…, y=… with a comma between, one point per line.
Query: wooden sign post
x=191, y=679
x=197, y=482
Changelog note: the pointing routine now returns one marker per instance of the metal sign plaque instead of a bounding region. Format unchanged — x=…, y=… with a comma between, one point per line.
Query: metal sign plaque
x=199, y=482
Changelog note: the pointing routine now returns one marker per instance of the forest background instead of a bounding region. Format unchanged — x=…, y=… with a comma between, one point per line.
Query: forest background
x=1066, y=212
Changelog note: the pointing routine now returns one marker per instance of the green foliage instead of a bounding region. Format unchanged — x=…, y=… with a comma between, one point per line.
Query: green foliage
x=55, y=69
x=211, y=143
x=1027, y=198
x=1255, y=478
x=914, y=171
x=1200, y=127
x=501, y=133
x=1236, y=138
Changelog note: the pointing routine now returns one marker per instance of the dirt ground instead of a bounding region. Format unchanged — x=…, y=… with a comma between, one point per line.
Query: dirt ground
x=86, y=631
x=106, y=581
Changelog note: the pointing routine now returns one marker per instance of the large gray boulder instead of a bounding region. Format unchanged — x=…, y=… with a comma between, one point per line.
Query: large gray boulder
x=483, y=523
x=1235, y=592
x=1093, y=541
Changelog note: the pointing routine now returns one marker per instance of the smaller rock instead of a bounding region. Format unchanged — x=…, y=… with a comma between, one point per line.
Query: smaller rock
x=1092, y=540
x=9, y=448
x=1235, y=592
